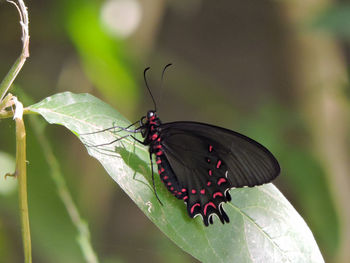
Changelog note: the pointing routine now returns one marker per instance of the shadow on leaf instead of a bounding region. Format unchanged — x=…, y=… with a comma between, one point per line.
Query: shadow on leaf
x=137, y=165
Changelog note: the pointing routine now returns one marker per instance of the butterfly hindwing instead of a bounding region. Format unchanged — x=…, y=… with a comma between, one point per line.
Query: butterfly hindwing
x=205, y=161
x=203, y=196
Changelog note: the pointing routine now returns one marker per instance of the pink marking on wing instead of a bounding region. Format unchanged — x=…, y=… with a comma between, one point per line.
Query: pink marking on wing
x=194, y=206
x=193, y=191
x=159, y=153
x=210, y=172
x=221, y=181
x=184, y=190
x=158, y=140
x=158, y=146
x=208, y=160
x=159, y=161
x=161, y=170
x=217, y=194
x=179, y=193
x=206, y=206
x=210, y=148
x=171, y=188
x=218, y=164
x=165, y=177
x=203, y=191
x=208, y=183
x=185, y=197
x=169, y=183
x=154, y=136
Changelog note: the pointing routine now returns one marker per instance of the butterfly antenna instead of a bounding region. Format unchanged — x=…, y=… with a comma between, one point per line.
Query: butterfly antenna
x=161, y=81
x=164, y=72
x=149, y=90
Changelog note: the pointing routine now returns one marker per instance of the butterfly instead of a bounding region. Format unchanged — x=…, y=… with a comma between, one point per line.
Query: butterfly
x=199, y=163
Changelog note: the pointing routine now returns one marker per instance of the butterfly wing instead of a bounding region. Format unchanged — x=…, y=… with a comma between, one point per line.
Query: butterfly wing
x=206, y=161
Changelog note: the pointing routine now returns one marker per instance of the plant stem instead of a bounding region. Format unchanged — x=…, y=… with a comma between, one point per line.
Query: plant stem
x=21, y=169
x=9, y=114
x=6, y=102
x=21, y=172
x=17, y=66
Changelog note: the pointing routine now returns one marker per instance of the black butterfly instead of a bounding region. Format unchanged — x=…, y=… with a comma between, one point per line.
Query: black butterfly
x=199, y=163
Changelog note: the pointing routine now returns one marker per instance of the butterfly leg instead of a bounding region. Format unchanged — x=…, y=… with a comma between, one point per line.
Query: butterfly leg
x=150, y=157
x=113, y=128
x=153, y=184
x=107, y=143
x=138, y=141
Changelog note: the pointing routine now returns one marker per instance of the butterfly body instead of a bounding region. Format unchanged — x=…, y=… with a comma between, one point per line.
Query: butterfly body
x=199, y=163
x=151, y=131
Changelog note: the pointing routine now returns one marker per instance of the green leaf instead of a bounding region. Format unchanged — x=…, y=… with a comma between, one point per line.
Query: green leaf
x=264, y=226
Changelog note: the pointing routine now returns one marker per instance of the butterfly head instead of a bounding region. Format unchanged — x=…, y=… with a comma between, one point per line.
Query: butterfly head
x=151, y=115
x=151, y=118
x=149, y=125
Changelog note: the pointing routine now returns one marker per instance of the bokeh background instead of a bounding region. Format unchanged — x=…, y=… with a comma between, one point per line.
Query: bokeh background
x=276, y=71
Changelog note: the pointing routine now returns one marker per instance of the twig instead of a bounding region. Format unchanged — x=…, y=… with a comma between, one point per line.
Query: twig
x=21, y=169
x=9, y=114
x=21, y=173
x=17, y=66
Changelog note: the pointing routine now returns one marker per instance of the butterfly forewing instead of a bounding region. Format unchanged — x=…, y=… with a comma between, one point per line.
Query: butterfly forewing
x=207, y=161
x=248, y=162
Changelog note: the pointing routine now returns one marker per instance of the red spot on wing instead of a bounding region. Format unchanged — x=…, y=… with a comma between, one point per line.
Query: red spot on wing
x=194, y=206
x=159, y=161
x=218, y=164
x=221, y=181
x=210, y=148
x=185, y=197
x=208, y=183
x=165, y=177
x=193, y=191
x=217, y=194
x=206, y=207
x=210, y=172
x=184, y=190
x=161, y=170
x=159, y=153
x=169, y=183
x=203, y=191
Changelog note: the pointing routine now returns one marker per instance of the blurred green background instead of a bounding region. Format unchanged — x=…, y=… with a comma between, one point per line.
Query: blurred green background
x=276, y=71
